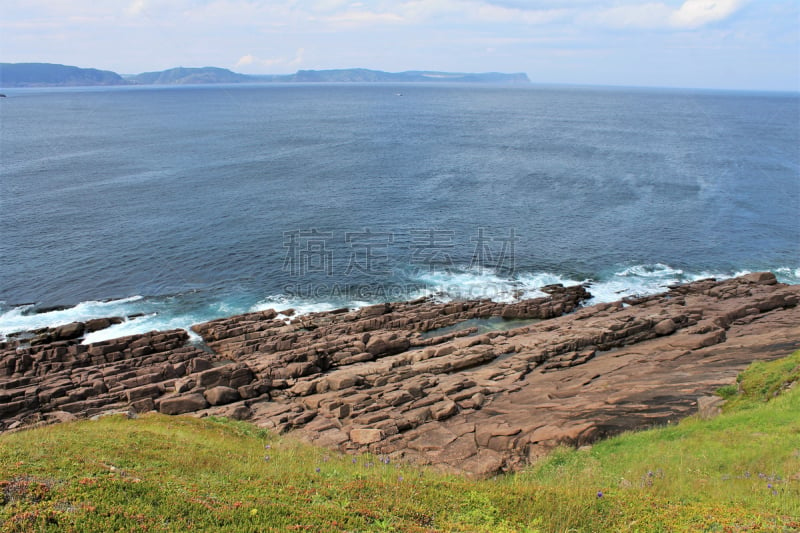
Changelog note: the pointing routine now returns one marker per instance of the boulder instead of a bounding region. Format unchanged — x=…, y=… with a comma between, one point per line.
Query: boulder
x=665, y=327
x=221, y=395
x=96, y=324
x=67, y=331
x=182, y=404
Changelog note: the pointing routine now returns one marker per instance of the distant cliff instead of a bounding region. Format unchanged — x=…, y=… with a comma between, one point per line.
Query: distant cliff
x=365, y=75
x=185, y=76
x=49, y=74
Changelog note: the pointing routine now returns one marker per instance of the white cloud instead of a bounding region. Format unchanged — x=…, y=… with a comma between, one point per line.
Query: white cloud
x=253, y=63
x=356, y=17
x=655, y=15
x=650, y=15
x=694, y=13
x=245, y=60
x=298, y=57
x=135, y=8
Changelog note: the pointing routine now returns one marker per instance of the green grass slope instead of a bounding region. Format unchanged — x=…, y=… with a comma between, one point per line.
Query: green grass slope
x=737, y=472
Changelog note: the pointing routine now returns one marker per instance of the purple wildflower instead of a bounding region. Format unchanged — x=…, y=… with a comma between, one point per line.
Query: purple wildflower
x=318, y=470
x=599, y=493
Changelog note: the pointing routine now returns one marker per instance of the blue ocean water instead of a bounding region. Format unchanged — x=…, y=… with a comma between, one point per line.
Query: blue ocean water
x=191, y=203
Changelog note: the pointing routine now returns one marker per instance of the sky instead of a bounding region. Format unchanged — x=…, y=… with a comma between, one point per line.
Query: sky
x=725, y=44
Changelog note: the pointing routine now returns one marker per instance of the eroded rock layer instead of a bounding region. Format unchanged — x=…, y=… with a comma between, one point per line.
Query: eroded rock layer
x=403, y=379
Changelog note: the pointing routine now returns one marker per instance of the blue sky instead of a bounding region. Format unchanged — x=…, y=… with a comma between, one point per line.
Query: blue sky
x=732, y=44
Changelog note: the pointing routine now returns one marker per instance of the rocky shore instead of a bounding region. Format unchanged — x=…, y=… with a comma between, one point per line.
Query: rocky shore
x=418, y=380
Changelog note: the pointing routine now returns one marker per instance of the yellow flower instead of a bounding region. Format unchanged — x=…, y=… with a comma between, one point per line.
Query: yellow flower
x=253, y=512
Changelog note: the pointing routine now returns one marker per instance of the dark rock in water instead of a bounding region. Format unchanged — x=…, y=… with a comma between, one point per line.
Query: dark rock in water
x=50, y=309
x=373, y=380
x=96, y=324
x=68, y=331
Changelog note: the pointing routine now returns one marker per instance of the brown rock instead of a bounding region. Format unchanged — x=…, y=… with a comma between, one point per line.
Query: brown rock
x=443, y=410
x=96, y=324
x=221, y=395
x=68, y=331
x=235, y=412
x=366, y=435
x=143, y=406
x=341, y=380
x=198, y=364
x=184, y=385
x=182, y=404
x=763, y=278
x=60, y=416
x=485, y=463
x=241, y=376
x=665, y=327
x=387, y=345
x=709, y=406
x=147, y=391
x=435, y=438
x=214, y=377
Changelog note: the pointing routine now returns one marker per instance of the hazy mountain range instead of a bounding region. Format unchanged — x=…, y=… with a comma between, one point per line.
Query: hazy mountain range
x=54, y=75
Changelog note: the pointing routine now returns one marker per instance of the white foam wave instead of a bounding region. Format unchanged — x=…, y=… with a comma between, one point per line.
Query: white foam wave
x=657, y=270
x=144, y=324
x=22, y=319
x=301, y=306
x=633, y=280
x=788, y=275
x=486, y=284
x=645, y=280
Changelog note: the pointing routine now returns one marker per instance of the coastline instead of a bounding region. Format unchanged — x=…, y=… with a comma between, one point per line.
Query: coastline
x=138, y=314
x=369, y=380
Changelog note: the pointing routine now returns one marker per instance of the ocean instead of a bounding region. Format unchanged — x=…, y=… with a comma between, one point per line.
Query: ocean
x=183, y=204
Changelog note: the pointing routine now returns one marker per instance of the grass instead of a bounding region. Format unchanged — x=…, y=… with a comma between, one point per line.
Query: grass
x=737, y=472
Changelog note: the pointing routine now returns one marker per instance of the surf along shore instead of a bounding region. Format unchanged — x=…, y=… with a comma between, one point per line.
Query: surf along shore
x=421, y=381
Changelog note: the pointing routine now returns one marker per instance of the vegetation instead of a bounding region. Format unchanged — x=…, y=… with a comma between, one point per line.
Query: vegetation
x=737, y=472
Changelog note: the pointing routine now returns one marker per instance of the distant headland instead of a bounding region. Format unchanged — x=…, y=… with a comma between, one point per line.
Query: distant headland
x=54, y=75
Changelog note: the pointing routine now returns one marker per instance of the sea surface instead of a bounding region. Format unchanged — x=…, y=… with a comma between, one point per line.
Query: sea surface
x=183, y=204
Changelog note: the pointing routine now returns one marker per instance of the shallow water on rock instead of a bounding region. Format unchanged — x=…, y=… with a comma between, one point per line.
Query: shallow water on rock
x=483, y=325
